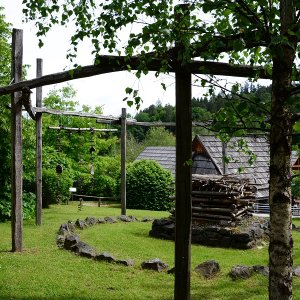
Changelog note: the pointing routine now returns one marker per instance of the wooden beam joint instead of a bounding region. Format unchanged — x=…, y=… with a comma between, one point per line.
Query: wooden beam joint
x=26, y=101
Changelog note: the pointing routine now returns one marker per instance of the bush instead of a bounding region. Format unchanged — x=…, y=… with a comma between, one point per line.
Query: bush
x=28, y=205
x=5, y=209
x=148, y=186
x=296, y=186
x=104, y=180
x=56, y=186
x=107, y=173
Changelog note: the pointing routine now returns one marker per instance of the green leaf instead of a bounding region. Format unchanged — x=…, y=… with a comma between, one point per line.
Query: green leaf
x=296, y=126
x=71, y=72
x=128, y=90
x=41, y=44
x=188, y=163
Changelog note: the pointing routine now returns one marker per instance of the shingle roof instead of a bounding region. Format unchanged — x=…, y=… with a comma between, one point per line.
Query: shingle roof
x=165, y=156
x=257, y=172
x=208, y=159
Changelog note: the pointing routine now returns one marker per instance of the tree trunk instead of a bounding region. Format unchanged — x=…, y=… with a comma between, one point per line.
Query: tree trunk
x=281, y=242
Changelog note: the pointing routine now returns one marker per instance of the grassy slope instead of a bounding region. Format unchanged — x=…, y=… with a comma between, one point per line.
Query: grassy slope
x=42, y=271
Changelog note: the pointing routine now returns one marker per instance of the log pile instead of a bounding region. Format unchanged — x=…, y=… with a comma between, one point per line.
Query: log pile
x=221, y=198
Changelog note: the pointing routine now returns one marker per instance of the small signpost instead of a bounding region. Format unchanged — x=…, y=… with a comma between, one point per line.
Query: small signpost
x=72, y=190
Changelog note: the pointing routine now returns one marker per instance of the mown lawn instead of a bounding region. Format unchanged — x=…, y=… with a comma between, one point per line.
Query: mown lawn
x=42, y=271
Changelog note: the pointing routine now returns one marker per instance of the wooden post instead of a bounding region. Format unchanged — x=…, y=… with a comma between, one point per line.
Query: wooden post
x=39, y=143
x=224, y=154
x=16, y=130
x=183, y=206
x=123, y=161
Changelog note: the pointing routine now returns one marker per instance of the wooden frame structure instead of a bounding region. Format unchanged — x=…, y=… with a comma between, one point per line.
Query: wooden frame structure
x=183, y=137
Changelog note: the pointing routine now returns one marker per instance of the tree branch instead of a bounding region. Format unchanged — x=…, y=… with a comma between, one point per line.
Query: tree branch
x=296, y=117
x=233, y=129
x=221, y=44
x=26, y=101
x=234, y=93
x=267, y=27
x=294, y=90
x=298, y=17
x=254, y=16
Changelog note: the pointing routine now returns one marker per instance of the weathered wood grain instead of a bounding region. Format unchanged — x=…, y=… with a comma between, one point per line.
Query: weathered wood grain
x=39, y=145
x=16, y=129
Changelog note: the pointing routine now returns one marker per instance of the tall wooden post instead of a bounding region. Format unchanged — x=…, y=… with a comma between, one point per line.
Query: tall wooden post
x=224, y=156
x=183, y=206
x=39, y=142
x=123, y=161
x=16, y=130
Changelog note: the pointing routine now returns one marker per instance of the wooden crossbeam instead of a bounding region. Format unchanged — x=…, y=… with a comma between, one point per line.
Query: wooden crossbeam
x=135, y=122
x=150, y=124
x=91, y=129
x=73, y=113
x=109, y=64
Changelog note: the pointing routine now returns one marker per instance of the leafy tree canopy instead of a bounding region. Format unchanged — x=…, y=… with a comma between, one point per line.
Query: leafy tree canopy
x=61, y=99
x=5, y=50
x=248, y=31
x=5, y=78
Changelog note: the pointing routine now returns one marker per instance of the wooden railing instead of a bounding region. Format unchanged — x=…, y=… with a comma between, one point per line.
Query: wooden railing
x=263, y=208
x=86, y=197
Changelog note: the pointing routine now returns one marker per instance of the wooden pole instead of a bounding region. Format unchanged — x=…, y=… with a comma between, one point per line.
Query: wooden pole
x=58, y=112
x=150, y=124
x=39, y=144
x=224, y=157
x=16, y=129
x=183, y=206
x=123, y=161
x=78, y=129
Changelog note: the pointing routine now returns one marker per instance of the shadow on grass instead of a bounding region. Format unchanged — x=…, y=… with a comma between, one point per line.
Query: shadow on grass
x=6, y=251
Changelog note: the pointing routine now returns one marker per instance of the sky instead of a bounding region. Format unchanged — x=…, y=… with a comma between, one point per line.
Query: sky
x=106, y=90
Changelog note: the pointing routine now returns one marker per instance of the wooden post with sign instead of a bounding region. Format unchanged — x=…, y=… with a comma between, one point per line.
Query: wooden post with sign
x=39, y=142
x=16, y=130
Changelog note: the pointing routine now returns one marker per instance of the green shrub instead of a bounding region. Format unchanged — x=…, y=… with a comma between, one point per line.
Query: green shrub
x=148, y=186
x=107, y=173
x=104, y=180
x=296, y=186
x=28, y=205
x=105, y=186
x=56, y=186
x=5, y=209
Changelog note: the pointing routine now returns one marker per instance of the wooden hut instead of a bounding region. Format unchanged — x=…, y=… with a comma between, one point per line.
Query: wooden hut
x=213, y=157
x=246, y=158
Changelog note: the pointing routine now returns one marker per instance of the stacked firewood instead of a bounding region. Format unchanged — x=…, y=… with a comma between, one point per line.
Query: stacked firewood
x=221, y=198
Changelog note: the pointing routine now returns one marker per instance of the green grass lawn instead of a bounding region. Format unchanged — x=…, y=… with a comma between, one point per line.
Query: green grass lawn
x=42, y=271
